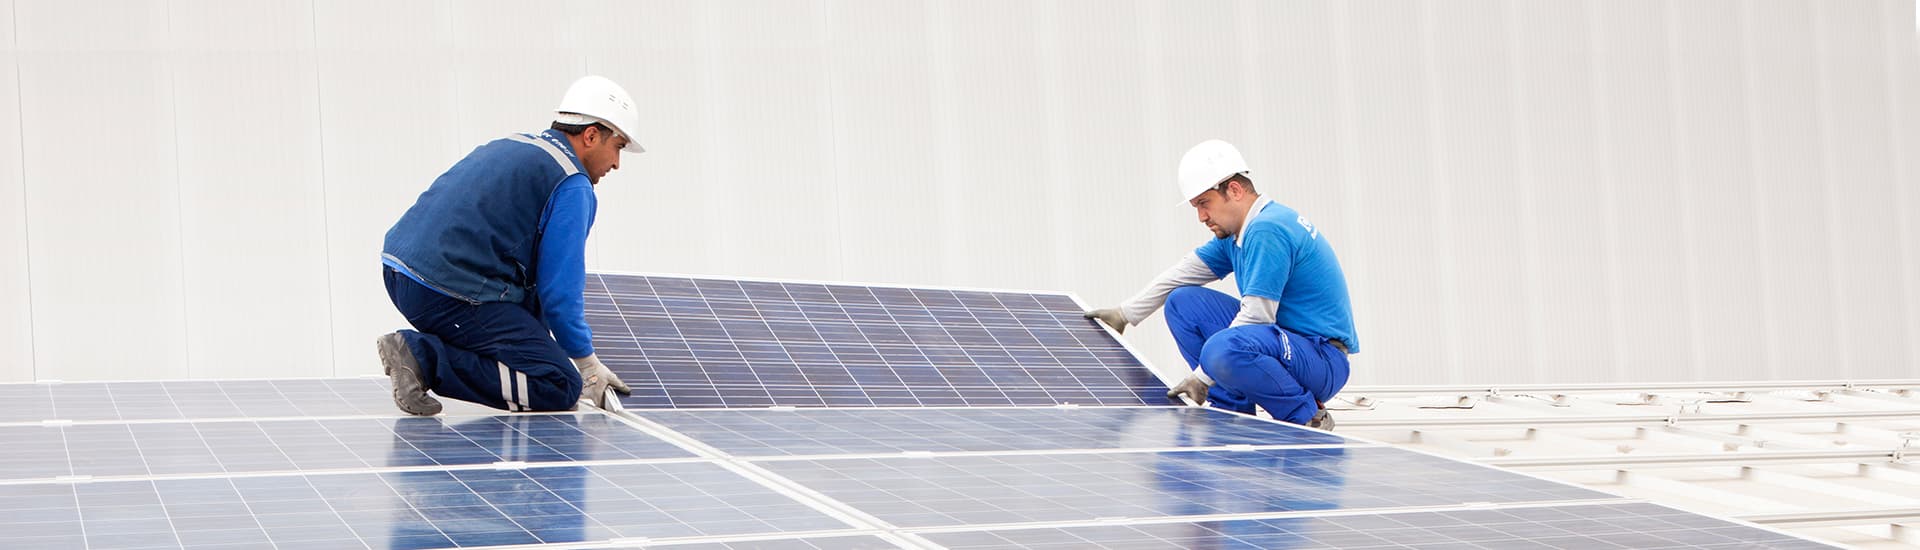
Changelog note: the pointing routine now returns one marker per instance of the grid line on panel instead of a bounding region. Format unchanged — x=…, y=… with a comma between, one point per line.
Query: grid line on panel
x=569, y=504
x=226, y=447
x=759, y=474
x=763, y=433
x=1596, y=525
x=729, y=335
x=815, y=542
x=916, y=492
x=35, y=403
x=687, y=342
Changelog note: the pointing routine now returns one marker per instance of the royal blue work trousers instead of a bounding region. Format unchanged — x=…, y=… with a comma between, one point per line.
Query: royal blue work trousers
x=1287, y=373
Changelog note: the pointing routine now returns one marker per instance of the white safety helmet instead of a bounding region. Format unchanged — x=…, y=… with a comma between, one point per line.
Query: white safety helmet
x=1206, y=165
x=593, y=99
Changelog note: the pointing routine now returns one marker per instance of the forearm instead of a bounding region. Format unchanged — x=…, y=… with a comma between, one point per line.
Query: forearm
x=1190, y=271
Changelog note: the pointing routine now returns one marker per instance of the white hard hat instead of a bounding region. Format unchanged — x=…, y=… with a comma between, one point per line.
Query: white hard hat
x=1206, y=165
x=593, y=99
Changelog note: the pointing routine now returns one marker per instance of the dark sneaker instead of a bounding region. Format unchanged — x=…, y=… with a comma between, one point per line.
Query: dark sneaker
x=408, y=393
x=1322, y=420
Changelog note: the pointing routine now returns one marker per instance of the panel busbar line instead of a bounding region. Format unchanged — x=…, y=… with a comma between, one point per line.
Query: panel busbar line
x=690, y=343
x=217, y=447
x=414, y=509
x=915, y=492
x=1627, y=525
x=750, y=433
x=123, y=401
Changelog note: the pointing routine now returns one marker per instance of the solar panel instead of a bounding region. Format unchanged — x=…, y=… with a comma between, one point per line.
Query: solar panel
x=801, y=432
x=386, y=481
x=411, y=509
x=211, y=447
x=684, y=342
x=858, y=542
x=198, y=399
x=985, y=490
x=1633, y=525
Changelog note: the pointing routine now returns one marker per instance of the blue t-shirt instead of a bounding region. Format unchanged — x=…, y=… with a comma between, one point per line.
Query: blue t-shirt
x=1282, y=257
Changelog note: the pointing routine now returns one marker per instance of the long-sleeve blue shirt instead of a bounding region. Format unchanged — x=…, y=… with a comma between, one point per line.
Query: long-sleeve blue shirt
x=561, y=271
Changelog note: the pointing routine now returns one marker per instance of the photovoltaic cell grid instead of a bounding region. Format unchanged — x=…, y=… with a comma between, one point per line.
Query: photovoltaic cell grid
x=551, y=501
x=187, y=448
x=1570, y=527
x=685, y=343
x=985, y=490
x=857, y=542
x=191, y=399
x=801, y=432
x=416, y=509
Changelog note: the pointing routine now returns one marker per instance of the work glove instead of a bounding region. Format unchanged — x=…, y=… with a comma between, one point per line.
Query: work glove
x=1111, y=316
x=1194, y=387
x=595, y=378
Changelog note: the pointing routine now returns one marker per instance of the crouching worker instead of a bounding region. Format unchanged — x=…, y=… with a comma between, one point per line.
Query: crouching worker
x=489, y=266
x=1283, y=344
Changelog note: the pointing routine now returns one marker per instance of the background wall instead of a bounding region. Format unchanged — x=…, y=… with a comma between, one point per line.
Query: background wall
x=1520, y=191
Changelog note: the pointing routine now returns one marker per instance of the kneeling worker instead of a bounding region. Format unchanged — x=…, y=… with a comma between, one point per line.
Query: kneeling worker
x=1283, y=344
x=490, y=266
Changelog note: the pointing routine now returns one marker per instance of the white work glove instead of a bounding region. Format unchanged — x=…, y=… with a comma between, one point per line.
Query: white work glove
x=1111, y=316
x=595, y=378
x=1194, y=387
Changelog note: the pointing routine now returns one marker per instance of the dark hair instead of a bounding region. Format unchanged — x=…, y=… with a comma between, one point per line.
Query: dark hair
x=1245, y=183
x=576, y=129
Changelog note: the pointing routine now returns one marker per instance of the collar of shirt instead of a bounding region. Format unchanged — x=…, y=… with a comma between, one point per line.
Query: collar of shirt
x=1258, y=205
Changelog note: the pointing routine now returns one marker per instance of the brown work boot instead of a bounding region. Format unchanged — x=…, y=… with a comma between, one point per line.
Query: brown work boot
x=408, y=392
x=1321, y=420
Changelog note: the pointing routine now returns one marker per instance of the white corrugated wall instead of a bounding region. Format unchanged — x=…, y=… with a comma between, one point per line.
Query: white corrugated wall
x=1520, y=191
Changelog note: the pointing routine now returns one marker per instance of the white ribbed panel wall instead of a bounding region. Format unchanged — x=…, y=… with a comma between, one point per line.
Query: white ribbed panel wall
x=1520, y=191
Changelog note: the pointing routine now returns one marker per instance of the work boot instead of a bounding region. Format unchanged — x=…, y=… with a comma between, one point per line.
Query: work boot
x=1321, y=420
x=408, y=393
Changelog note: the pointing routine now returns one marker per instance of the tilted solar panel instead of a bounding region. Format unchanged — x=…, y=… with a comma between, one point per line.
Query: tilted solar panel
x=687, y=343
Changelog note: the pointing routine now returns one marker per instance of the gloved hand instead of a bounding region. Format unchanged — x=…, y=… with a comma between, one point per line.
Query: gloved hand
x=595, y=378
x=1194, y=387
x=1111, y=316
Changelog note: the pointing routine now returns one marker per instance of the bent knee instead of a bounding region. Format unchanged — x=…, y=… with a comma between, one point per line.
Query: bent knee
x=1228, y=349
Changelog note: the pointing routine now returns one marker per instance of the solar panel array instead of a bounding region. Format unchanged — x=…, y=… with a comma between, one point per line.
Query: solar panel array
x=778, y=478
x=687, y=343
x=330, y=464
x=1590, y=526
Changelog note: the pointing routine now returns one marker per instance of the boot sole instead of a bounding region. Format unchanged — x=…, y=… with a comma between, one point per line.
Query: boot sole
x=393, y=351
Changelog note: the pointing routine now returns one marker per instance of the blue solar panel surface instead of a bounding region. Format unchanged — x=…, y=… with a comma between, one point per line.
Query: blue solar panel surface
x=685, y=343
x=983, y=490
x=180, y=474
x=409, y=509
x=1593, y=526
x=800, y=432
x=936, y=431
x=189, y=399
x=861, y=542
x=180, y=448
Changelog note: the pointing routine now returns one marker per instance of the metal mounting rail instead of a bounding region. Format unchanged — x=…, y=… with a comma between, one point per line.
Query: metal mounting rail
x=1836, y=517
x=1626, y=419
x=1692, y=459
x=1357, y=391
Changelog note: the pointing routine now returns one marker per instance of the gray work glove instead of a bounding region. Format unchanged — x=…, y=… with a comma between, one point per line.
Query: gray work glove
x=1111, y=316
x=595, y=378
x=1194, y=387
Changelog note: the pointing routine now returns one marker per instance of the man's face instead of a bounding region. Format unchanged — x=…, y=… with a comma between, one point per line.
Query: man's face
x=602, y=153
x=1218, y=212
